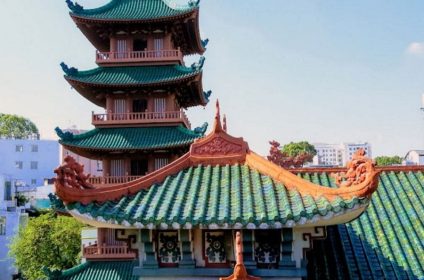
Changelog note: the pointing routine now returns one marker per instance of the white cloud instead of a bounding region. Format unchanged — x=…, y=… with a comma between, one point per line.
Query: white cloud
x=416, y=48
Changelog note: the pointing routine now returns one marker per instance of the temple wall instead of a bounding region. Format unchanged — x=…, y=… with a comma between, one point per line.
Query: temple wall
x=302, y=240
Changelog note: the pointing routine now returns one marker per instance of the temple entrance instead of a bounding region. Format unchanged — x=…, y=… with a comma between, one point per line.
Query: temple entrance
x=139, y=167
x=139, y=106
x=139, y=45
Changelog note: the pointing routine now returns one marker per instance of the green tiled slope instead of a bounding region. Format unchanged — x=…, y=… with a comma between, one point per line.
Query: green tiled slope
x=216, y=195
x=387, y=241
x=130, y=138
x=134, y=75
x=134, y=10
x=108, y=270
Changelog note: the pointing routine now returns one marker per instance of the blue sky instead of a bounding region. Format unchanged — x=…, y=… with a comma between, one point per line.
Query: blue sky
x=322, y=71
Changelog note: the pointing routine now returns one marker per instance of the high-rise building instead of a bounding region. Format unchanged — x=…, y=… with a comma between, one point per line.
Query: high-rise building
x=338, y=154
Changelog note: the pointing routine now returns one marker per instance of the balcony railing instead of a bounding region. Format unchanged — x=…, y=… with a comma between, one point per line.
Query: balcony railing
x=139, y=56
x=108, y=252
x=141, y=118
x=112, y=180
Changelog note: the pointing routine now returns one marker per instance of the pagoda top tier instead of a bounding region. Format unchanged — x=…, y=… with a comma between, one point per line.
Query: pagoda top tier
x=144, y=16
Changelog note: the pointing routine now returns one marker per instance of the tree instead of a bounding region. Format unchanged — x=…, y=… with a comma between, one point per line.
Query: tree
x=47, y=241
x=13, y=126
x=294, y=149
x=387, y=160
x=293, y=155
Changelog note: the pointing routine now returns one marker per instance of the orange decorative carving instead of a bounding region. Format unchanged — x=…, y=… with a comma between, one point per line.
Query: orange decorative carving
x=71, y=175
x=359, y=169
x=240, y=272
x=218, y=146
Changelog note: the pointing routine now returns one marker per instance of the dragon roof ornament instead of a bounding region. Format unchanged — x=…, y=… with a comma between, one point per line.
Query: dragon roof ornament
x=74, y=7
x=359, y=169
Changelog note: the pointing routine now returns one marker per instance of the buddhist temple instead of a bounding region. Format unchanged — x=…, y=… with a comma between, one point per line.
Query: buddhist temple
x=180, y=203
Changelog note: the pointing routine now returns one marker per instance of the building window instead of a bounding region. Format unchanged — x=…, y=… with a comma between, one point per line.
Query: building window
x=34, y=164
x=34, y=148
x=33, y=181
x=19, y=164
x=99, y=165
x=267, y=248
x=169, y=253
x=7, y=191
x=160, y=162
x=214, y=253
x=19, y=148
x=2, y=225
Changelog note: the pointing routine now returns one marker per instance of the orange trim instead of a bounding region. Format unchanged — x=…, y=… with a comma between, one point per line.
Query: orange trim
x=219, y=148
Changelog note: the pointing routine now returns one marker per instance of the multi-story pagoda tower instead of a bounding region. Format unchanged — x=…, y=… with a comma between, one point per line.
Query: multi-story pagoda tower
x=142, y=83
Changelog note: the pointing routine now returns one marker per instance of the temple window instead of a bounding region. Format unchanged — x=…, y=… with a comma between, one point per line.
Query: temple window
x=267, y=248
x=117, y=167
x=121, y=48
x=214, y=248
x=160, y=162
x=2, y=225
x=169, y=253
x=159, y=106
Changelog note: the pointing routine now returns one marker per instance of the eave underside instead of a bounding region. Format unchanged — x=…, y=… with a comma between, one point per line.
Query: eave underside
x=189, y=91
x=184, y=30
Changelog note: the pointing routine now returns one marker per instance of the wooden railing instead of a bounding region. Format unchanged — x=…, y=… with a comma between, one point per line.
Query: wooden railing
x=108, y=252
x=145, y=117
x=112, y=180
x=139, y=56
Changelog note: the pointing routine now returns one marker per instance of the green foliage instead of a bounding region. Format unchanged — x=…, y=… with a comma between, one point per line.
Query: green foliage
x=294, y=149
x=47, y=241
x=13, y=126
x=21, y=199
x=387, y=160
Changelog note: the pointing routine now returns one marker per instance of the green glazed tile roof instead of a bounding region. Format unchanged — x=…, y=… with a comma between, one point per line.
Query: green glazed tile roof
x=218, y=195
x=131, y=138
x=387, y=241
x=133, y=75
x=133, y=10
x=92, y=270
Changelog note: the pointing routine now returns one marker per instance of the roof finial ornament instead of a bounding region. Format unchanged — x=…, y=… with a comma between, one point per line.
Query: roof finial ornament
x=199, y=65
x=224, y=125
x=240, y=272
x=193, y=3
x=68, y=70
x=217, y=125
x=74, y=7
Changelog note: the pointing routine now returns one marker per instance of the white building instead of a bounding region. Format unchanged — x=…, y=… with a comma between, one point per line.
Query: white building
x=414, y=157
x=28, y=162
x=11, y=218
x=338, y=154
x=91, y=166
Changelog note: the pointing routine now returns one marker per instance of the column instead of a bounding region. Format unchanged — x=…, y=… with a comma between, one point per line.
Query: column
x=186, y=245
x=148, y=250
x=248, y=247
x=286, y=248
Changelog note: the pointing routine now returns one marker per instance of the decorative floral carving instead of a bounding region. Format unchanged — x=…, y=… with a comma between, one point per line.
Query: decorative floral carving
x=215, y=247
x=169, y=248
x=267, y=248
x=218, y=146
x=71, y=175
x=359, y=168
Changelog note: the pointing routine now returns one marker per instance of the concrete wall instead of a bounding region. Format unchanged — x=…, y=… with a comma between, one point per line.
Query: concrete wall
x=45, y=153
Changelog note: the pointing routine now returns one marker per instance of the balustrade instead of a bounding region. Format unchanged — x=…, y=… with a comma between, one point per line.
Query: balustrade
x=139, y=56
x=108, y=252
x=140, y=117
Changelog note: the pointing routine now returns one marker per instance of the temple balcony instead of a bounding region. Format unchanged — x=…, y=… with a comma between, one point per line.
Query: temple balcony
x=134, y=57
x=141, y=118
x=110, y=252
x=111, y=180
